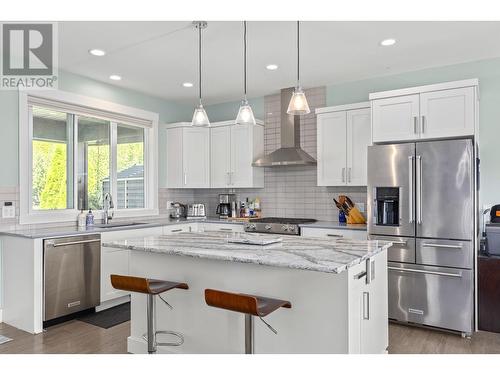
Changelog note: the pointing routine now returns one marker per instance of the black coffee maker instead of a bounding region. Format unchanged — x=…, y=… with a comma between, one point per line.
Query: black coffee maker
x=225, y=206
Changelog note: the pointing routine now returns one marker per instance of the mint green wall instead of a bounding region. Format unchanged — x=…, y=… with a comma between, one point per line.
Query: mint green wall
x=9, y=167
x=488, y=72
x=229, y=110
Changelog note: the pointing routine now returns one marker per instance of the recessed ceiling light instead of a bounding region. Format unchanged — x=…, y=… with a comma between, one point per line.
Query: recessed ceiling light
x=272, y=67
x=187, y=84
x=115, y=77
x=388, y=42
x=97, y=52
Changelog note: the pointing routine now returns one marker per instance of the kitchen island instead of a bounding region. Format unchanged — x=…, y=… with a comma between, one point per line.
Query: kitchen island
x=337, y=288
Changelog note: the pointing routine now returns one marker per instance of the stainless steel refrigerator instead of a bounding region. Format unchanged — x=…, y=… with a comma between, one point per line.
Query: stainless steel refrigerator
x=421, y=197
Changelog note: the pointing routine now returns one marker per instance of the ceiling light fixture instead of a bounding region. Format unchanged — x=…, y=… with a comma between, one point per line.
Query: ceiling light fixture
x=115, y=77
x=271, y=67
x=245, y=114
x=187, y=84
x=388, y=42
x=298, y=103
x=200, y=117
x=97, y=52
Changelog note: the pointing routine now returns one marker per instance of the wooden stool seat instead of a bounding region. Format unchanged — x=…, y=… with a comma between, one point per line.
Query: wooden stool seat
x=143, y=285
x=152, y=288
x=244, y=303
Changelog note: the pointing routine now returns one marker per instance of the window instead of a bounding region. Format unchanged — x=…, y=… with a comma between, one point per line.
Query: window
x=75, y=154
x=52, y=162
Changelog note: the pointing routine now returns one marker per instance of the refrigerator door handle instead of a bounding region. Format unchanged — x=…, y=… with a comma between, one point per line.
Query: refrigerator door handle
x=410, y=189
x=419, y=189
x=437, y=273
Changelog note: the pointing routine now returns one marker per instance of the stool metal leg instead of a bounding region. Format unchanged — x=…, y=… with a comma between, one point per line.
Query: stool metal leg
x=151, y=334
x=249, y=334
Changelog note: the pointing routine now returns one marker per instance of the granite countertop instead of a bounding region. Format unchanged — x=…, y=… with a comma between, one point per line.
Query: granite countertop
x=334, y=225
x=72, y=230
x=313, y=254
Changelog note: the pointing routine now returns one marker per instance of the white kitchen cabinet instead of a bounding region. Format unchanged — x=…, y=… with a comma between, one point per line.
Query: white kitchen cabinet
x=116, y=261
x=188, y=156
x=177, y=228
x=395, y=119
x=343, y=136
x=447, y=113
x=368, y=306
x=223, y=227
x=334, y=233
x=331, y=148
x=444, y=110
x=233, y=149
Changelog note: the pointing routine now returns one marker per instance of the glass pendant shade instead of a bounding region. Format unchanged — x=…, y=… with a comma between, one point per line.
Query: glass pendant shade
x=245, y=114
x=200, y=117
x=298, y=103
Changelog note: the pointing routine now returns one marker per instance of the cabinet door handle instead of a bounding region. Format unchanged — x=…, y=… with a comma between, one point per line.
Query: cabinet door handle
x=423, y=124
x=349, y=174
x=415, y=123
x=366, y=306
x=360, y=275
x=228, y=179
x=175, y=230
x=334, y=235
x=343, y=174
x=185, y=178
x=226, y=229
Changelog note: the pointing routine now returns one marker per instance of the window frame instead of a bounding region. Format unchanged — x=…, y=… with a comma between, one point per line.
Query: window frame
x=116, y=114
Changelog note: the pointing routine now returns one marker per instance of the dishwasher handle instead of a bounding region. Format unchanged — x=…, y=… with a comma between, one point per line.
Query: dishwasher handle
x=73, y=242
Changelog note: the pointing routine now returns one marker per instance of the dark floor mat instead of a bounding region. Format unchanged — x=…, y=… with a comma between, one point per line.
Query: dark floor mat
x=110, y=317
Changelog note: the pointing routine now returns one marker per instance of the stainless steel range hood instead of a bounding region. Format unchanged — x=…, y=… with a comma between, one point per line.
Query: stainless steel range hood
x=290, y=152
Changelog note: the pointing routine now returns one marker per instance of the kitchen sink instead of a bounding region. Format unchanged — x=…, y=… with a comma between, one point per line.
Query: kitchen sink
x=118, y=225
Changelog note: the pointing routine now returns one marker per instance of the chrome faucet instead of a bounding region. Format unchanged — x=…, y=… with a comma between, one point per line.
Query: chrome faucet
x=108, y=204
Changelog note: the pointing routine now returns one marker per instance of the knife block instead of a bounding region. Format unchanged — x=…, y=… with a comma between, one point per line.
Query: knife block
x=355, y=217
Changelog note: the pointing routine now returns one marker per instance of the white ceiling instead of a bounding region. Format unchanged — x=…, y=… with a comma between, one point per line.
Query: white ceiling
x=157, y=57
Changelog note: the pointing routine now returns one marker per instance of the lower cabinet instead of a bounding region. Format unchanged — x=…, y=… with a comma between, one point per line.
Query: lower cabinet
x=368, y=311
x=116, y=261
x=113, y=261
x=222, y=227
x=334, y=233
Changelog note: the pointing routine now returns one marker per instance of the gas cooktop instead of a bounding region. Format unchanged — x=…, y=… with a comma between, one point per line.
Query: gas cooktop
x=278, y=225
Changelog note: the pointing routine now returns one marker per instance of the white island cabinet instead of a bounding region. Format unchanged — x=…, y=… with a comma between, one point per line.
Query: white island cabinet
x=337, y=289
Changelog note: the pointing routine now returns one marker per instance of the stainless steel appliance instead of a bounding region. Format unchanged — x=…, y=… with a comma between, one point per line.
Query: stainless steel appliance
x=227, y=204
x=71, y=275
x=421, y=197
x=196, y=211
x=278, y=225
x=178, y=210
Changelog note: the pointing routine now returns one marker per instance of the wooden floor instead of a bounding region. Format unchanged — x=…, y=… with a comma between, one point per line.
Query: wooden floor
x=80, y=337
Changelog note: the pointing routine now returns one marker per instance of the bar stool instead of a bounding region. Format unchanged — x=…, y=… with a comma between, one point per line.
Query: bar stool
x=152, y=288
x=249, y=305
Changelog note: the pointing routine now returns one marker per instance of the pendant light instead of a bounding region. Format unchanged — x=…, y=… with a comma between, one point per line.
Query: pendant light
x=245, y=114
x=298, y=103
x=200, y=117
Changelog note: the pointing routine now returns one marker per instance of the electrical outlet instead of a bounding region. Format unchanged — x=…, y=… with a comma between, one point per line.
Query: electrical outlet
x=360, y=206
x=8, y=210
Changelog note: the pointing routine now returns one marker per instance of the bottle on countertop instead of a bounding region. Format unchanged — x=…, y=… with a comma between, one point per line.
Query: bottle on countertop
x=256, y=204
x=342, y=218
x=82, y=219
x=89, y=219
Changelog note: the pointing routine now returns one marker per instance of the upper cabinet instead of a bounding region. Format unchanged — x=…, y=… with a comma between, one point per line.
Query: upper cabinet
x=188, y=156
x=343, y=136
x=220, y=156
x=233, y=149
x=444, y=110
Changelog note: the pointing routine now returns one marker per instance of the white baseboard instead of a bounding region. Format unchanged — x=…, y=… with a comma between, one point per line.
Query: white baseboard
x=112, y=303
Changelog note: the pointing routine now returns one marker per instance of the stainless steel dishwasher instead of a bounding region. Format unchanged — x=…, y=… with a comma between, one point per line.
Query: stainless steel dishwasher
x=71, y=275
